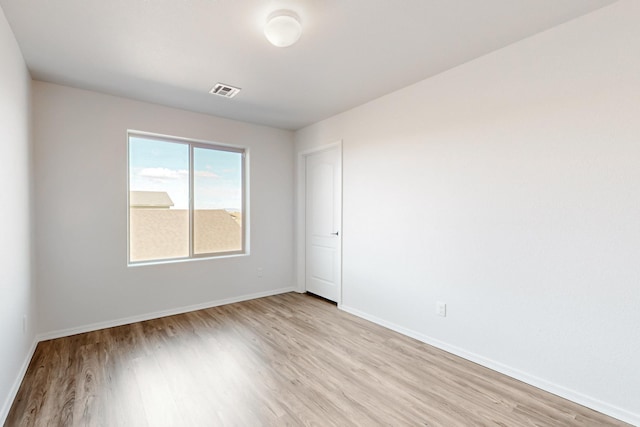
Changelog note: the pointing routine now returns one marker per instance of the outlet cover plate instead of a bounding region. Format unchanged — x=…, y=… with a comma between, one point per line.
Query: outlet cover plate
x=441, y=309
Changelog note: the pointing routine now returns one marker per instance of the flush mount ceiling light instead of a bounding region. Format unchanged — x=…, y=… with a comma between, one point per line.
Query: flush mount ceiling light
x=283, y=28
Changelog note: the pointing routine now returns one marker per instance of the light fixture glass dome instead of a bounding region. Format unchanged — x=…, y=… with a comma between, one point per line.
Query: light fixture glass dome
x=283, y=28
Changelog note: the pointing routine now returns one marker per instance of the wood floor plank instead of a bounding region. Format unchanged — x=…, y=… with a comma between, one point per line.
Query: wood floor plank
x=286, y=360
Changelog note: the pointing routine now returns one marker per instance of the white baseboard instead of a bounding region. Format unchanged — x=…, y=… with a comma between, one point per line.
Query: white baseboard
x=572, y=395
x=157, y=314
x=6, y=406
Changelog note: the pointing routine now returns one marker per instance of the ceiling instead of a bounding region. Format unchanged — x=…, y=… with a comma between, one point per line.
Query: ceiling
x=172, y=52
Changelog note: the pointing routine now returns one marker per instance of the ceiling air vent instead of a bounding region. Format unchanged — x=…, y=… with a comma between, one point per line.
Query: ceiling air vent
x=224, y=90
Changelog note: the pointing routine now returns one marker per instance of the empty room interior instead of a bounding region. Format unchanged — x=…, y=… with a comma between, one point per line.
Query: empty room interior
x=297, y=212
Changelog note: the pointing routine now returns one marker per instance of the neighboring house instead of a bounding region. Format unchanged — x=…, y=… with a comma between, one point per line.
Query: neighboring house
x=216, y=230
x=150, y=199
x=164, y=233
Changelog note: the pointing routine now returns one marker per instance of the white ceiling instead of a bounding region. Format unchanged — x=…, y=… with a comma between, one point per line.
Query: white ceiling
x=172, y=52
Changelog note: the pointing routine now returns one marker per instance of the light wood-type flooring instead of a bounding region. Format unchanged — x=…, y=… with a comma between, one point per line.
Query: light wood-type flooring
x=286, y=360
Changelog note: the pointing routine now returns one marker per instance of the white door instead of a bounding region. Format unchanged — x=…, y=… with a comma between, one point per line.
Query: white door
x=323, y=221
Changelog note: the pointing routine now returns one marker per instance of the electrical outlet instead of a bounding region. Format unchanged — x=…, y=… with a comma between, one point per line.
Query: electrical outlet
x=441, y=309
x=259, y=271
x=24, y=324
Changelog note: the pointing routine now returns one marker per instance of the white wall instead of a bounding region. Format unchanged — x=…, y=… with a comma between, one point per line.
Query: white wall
x=81, y=220
x=509, y=188
x=17, y=294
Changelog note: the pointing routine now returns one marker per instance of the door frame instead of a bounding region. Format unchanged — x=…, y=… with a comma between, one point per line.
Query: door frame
x=301, y=199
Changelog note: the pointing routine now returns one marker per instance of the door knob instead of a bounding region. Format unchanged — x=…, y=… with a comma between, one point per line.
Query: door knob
x=335, y=234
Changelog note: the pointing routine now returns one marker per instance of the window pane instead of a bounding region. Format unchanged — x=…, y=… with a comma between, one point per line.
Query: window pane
x=158, y=199
x=217, y=192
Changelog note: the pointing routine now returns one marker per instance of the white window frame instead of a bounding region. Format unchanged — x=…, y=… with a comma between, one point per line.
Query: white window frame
x=192, y=143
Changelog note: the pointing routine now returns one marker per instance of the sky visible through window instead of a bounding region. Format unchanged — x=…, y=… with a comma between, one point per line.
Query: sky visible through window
x=164, y=166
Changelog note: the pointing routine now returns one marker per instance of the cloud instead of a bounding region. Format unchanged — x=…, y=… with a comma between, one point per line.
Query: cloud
x=161, y=173
x=206, y=174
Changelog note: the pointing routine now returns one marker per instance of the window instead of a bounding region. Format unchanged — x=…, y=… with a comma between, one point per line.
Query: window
x=186, y=199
